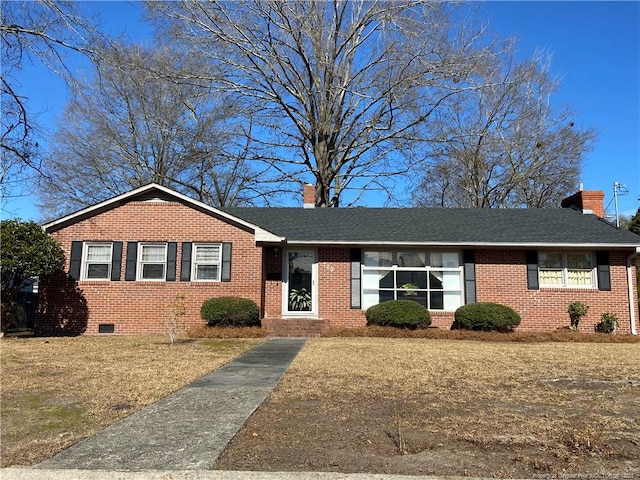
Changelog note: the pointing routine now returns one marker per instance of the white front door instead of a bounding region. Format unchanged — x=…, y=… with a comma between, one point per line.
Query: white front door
x=300, y=292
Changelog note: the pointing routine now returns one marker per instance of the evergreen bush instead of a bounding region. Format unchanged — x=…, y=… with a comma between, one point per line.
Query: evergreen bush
x=399, y=314
x=230, y=312
x=486, y=317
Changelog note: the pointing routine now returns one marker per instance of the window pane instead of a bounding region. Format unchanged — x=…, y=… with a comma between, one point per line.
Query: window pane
x=452, y=280
x=153, y=253
x=99, y=253
x=386, y=279
x=436, y=300
x=371, y=278
x=153, y=271
x=97, y=271
x=550, y=260
x=378, y=259
x=578, y=261
x=207, y=272
x=411, y=259
x=450, y=260
x=370, y=298
x=452, y=300
x=411, y=279
x=580, y=277
x=208, y=254
x=551, y=277
x=435, y=280
x=385, y=295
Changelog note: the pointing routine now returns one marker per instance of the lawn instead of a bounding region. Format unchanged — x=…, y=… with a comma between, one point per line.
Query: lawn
x=437, y=406
x=450, y=407
x=56, y=391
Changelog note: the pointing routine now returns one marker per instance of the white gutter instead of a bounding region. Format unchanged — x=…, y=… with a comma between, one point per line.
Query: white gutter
x=632, y=297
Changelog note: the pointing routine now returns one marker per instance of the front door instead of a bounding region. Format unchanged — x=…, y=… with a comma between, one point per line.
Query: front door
x=299, y=283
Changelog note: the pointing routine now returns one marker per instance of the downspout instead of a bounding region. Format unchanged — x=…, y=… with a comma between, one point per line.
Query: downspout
x=632, y=297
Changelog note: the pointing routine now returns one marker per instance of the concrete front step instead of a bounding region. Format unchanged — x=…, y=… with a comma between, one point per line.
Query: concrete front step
x=294, y=327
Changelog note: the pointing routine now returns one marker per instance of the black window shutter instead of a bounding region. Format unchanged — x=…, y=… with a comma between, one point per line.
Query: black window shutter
x=356, y=280
x=172, y=252
x=469, y=261
x=226, y=262
x=185, y=263
x=532, y=270
x=75, y=260
x=132, y=260
x=116, y=261
x=604, y=271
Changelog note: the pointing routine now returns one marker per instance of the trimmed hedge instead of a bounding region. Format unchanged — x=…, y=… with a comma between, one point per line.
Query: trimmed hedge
x=486, y=317
x=399, y=314
x=230, y=312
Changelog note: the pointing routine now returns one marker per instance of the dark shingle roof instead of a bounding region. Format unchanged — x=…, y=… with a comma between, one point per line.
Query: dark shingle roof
x=437, y=226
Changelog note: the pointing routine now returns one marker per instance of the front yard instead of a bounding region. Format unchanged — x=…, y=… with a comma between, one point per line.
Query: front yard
x=56, y=391
x=398, y=405
x=443, y=407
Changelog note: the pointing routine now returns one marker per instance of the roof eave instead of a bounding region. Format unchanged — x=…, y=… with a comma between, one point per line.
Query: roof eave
x=590, y=245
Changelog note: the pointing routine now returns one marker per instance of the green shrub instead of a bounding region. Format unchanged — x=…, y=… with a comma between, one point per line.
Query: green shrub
x=230, y=312
x=486, y=317
x=399, y=314
x=608, y=323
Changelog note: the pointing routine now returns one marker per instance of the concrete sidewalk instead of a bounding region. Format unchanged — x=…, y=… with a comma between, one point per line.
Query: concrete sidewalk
x=189, y=429
x=29, y=474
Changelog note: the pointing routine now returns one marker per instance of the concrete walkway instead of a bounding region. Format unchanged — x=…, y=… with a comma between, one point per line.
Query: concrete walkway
x=189, y=429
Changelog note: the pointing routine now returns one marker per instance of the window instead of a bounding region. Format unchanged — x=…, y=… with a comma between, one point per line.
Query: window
x=96, y=261
x=152, y=263
x=556, y=269
x=206, y=262
x=433, y=279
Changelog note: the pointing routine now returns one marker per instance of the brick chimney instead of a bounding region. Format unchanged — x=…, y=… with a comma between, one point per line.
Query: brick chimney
x=309, y=196
x=588, y=201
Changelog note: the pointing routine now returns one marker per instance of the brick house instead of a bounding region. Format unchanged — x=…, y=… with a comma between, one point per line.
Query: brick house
x=309, y=269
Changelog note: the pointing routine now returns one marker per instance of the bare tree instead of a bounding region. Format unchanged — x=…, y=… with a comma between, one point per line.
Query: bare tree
x=340, y=90
x=39, y=30
x=503, y=145
x=139, y=121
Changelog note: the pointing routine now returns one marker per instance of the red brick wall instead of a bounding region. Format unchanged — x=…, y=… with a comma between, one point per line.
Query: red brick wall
x=502, y=277
x=144, y=306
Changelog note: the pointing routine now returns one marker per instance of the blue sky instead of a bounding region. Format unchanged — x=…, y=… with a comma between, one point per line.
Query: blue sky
x=596, y=54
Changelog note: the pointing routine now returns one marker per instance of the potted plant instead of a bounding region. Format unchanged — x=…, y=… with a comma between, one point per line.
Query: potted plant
x=300, y=300
x=409, y=289
x=576, y=311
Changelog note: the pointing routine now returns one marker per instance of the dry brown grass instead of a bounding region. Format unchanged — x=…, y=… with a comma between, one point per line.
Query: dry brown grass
x=56, y=391
x=205, y=331
x=560, y=335
x=486, y=408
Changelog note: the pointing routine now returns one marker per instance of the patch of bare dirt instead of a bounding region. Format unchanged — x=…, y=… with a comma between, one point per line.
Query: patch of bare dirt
x=441, y=407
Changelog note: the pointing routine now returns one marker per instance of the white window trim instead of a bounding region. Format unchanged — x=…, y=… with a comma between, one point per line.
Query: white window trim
x=139, y=269
x=85, y=262
x=194, y=263
x=565, y=272
x=428, y=268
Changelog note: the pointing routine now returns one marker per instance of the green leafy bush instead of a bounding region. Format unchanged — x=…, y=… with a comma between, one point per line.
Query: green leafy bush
x=399, y=314
x=608, y=323
x=230, y=312
x=486, y=317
